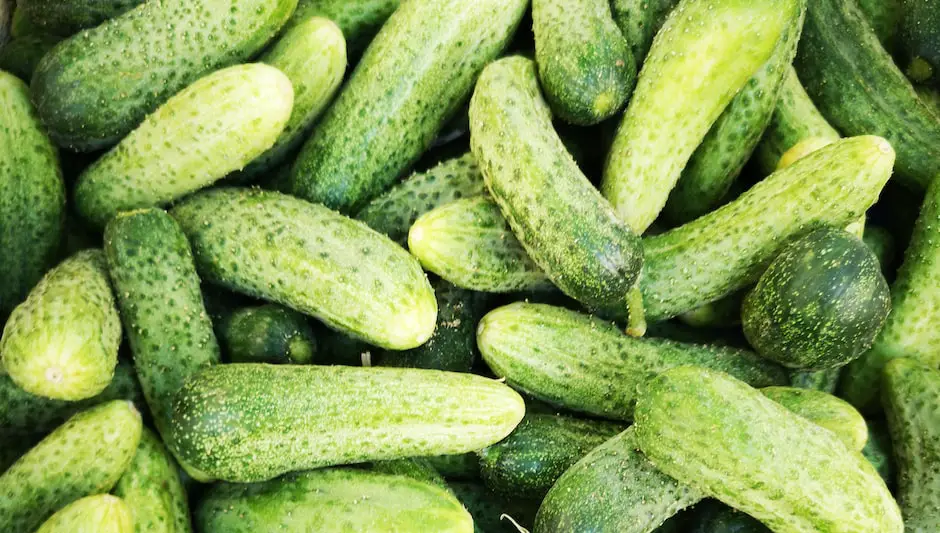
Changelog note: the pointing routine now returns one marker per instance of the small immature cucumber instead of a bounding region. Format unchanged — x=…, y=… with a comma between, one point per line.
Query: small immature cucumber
x=413, y=78
x=65, y=18
x=102, y=513
x=639, y=21
x=491, y=513
x=62, y=342
x=82, y=88
x=694, y=69
x=252, y=422
x=543, y=194
x=21, y=55
x=212, y=127
x=268, y=333
x=359, y=20
x=920, y=40
x=84, y=456
x=824, y=410
x=271, y=245
x=152, y=489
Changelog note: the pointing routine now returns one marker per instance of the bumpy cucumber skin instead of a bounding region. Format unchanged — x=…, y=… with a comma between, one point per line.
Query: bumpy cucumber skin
x=910, y=330
x=32, y=196
x=700, y=427
x=332, y=500
x=487, y=508
x=693, y=71
x=359, y=20
x=271, y=245
x=469, y=243
x=824, y=410
x=884, y=16
x=67, y=18
x=727, y=249
x=83, y=91
x=911, y=398
x=714, y=517
x=413, y=78
x=920, y=39
x=267, y=334
x=251, y=422
x=395, y=211
x=21, y=55
x=860, y=90
x=84, y=456
x=585, y=364
x=821, y=380
x=102, y=513
x=639, y=21
x=62, y=342
x=152, y=489
x=543, y=194
x=216, y=125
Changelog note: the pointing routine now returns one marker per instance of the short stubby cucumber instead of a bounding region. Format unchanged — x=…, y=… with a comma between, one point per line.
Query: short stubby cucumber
x=56, y=17
x=212, y=127
x=272, y=245
x=87, y=99
x=544, y=195
x=415, y=75
x=253, y=422
x=695, y=67
x=84, y=456
x=639, y=21
x=62, y=342
x=824, y=410
x=584, y=364
x=102, y=513
x=268, y=333
x=21, y=55
x=701, y=427
x=359, y=20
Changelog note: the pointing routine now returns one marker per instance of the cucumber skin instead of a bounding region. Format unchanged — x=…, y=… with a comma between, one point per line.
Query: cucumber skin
x=824, y=410
x=639, y=21
x=413, y=78
x=910, y=397
x=268, y=333
x=543, y=194
x=288, y=241
x=331, y=500
x=359, y=20
x=858, y=88
x=216, y=125
x=487, y=508
x=32, y=196
x=884, y=16
x=102, y=513
x=724, y=417
x=67, y=18
x=727, y=249
x=84, y=456
x=920, y=38
x=82, y=90
x=585, y=364
x=252, y=422
x=693, y=71
x=20, y=55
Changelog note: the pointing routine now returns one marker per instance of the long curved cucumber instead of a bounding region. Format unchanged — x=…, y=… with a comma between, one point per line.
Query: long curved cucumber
x=65, y=18
x=359, y=20
x=102, y=513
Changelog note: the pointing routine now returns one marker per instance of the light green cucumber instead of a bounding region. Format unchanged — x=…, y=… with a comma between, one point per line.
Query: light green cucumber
x=415, y=75
x=67, y=17
x=252, y=422
x=824, y=410
x=640, y=21
x=102, y=513
x=584, y=364
x=359, y=20
x=83, y=91
x=62, y=342
x=212, y=127
x=268, y=333
x=20, y=56
x=271, y=245
x=84, y=456
x=694, y=69
x=492, y=513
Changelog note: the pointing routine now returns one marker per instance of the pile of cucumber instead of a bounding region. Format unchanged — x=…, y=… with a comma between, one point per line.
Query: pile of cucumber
x=559, y=266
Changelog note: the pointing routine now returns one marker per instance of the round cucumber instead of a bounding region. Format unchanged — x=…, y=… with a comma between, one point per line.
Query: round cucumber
x=267, y=334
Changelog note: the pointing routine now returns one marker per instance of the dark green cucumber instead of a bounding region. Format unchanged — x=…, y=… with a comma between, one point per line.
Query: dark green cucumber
x=585, y=364
x=884, y=17
x=65, y=18
x=413, y=78
x=860, y=90
x=920, y=40
x=360, y=20
x=268, y=333
x=492, y=513
x=460, y=467
x=639, y=21
x=102, y=513
x=824, y=410
x=881, y=243
x=161, y=305
x=821, y=380
x=18, y=23
x=253, y=422
x=332, y=500
x=723, y=313
x=585, y=65
x=715, y=517
x=543, y=194
x=878, y=450
x=82, y=90
x=21, y=55
x=271, y=245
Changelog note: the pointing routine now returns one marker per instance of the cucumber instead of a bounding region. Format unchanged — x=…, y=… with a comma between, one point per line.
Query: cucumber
x=469, y=243
x=413, y=78
x=858, y=88
x=800, y=479
x=910, y=398
x=57, y=17
x=82, y=90
x=821, y=380
x=62, y=342
x=879, y=452
x=212, y=127
x=713, y=517
x=639, y=21
x=884, y=17
x=268, y=333
x=32, y=196
x=820, y=303
x=543, y=194
x=332, y=500
x=394, y=212
x=727, y=249
x=84, y=456
x=313, y=56
x=490, y=512
x=21, y=55
x=585, y=65
x=527, y=463
x=252, y=422
x=723, y=313
x=19, y=24
x=152, y=489
x=920, y=40
x=460, y=467
x=915, y=307
x=93, y=514
x=824, y=410
x=584, y=364
x=693, y=71
x=374, y=290
x=359, y=20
